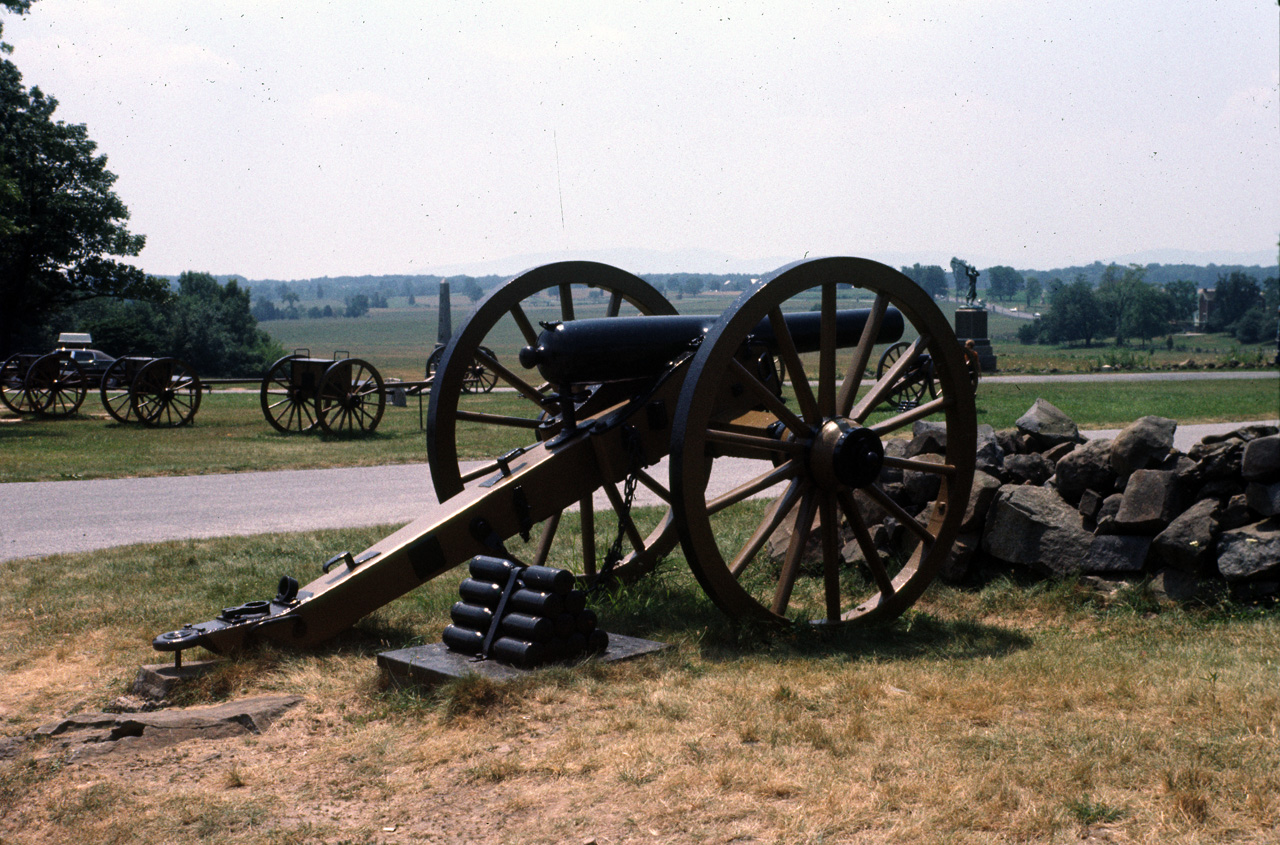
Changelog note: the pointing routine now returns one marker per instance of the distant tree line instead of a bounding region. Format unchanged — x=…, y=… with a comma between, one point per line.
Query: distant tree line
x=1126, y=306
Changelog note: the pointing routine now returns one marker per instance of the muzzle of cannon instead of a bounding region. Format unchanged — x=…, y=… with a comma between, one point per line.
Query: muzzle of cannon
x=764, y=422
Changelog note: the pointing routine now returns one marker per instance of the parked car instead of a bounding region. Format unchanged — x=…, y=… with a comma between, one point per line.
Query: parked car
x=94, y=362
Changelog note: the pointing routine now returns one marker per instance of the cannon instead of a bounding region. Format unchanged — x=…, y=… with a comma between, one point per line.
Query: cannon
x=50, y=385
x=341, y=395
x=766, y=417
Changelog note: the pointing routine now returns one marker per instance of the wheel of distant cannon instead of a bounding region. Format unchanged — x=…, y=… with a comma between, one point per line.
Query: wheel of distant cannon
x=114, y=389
x=13, y=384
x=479, y=378
x=433, y=362
x=165, y=394
x=918, y=379
x=828, y=483
x=350, y=398
x=490, y=337
x=56, y=385
x=288, y=406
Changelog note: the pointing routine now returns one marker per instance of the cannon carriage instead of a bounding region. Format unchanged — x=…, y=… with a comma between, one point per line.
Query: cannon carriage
x=48, y=385
x=765, y=418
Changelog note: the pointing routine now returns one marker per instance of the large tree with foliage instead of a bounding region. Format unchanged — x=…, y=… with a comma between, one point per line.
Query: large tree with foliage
x=931, y=277
x=1003, y=282
x=1184, y=300
x=1074, y=314
x=1235, y=294
x=207, y=325
x=61, y=225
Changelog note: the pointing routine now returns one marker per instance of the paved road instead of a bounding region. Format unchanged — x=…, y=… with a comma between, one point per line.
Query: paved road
x=42, y=518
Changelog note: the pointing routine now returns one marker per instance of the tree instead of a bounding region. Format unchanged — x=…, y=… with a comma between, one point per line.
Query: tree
x=357, y=305
x=61, y=225
x=1183, y=300
x=208, y=326
x=1119, y=293
x=1074, y=313
x=1003, y=282
x=471, y=289
x=1034, y=291
x=1148, y=313
x=930, y=277
x=1233, y=295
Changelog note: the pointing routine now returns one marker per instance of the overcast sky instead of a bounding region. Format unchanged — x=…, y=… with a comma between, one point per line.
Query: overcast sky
x=288, y=139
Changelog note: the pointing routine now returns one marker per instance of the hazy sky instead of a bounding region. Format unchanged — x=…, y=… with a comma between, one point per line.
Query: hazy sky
x=289, y=139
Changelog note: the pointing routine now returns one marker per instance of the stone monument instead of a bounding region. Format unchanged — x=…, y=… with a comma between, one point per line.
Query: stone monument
x=971, y=320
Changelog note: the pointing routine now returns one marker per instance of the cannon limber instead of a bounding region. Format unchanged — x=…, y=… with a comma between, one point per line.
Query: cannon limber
x=52, y=384
x=49, y=385
x=766, y=416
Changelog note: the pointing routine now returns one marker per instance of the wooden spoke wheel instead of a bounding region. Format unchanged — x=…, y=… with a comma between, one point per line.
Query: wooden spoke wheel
x=491, y=337
x=914, y=383
x=13, y=384
x=56, y=385
x=828, y=483
x=287, y=402
x=433, y=362
x=165, y=394
x=350, y=399
x=114, y=389
x=479, y=378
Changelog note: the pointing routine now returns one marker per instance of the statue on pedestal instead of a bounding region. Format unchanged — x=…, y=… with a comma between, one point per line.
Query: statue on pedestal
x=961, y=269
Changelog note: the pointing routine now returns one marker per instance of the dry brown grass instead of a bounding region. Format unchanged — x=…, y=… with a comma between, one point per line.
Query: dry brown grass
x=1000, y=715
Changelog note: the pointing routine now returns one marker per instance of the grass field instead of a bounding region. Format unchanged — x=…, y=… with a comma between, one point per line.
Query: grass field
x=398, y=340
x=997, y=714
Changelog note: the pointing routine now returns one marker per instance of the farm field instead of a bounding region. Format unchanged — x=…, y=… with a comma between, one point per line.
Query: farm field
x=397, y=340
x=999, y=713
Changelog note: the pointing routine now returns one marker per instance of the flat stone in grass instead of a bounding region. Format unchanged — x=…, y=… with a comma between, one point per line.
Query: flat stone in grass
x=100, y=733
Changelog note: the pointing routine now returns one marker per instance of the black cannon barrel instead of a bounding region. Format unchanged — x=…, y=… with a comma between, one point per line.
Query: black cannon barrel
x=611, y=349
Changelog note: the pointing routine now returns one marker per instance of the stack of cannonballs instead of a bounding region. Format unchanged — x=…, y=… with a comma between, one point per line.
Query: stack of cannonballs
x=1123, y=509
x=525, y=616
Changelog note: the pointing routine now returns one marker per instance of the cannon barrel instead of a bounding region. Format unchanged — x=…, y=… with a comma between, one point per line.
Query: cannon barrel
x=608, y=350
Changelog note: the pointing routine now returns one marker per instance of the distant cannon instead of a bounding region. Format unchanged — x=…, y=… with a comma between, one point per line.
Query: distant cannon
x=777, y=384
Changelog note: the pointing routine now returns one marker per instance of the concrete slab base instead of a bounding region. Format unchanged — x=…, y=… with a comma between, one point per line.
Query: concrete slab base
x=430, y=665
x=157, y=680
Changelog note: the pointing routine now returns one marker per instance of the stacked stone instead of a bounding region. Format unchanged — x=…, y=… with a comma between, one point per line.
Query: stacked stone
x=525, y=616
x=1045, y=498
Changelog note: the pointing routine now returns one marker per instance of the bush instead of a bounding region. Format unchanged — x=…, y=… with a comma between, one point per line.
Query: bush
x=1254, y=326
x=1032, y=332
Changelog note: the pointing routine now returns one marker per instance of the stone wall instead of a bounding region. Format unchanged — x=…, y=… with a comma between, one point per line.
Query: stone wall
x=1199, y=525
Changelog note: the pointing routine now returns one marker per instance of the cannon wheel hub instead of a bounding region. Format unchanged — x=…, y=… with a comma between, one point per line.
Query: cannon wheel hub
x=845, y=454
